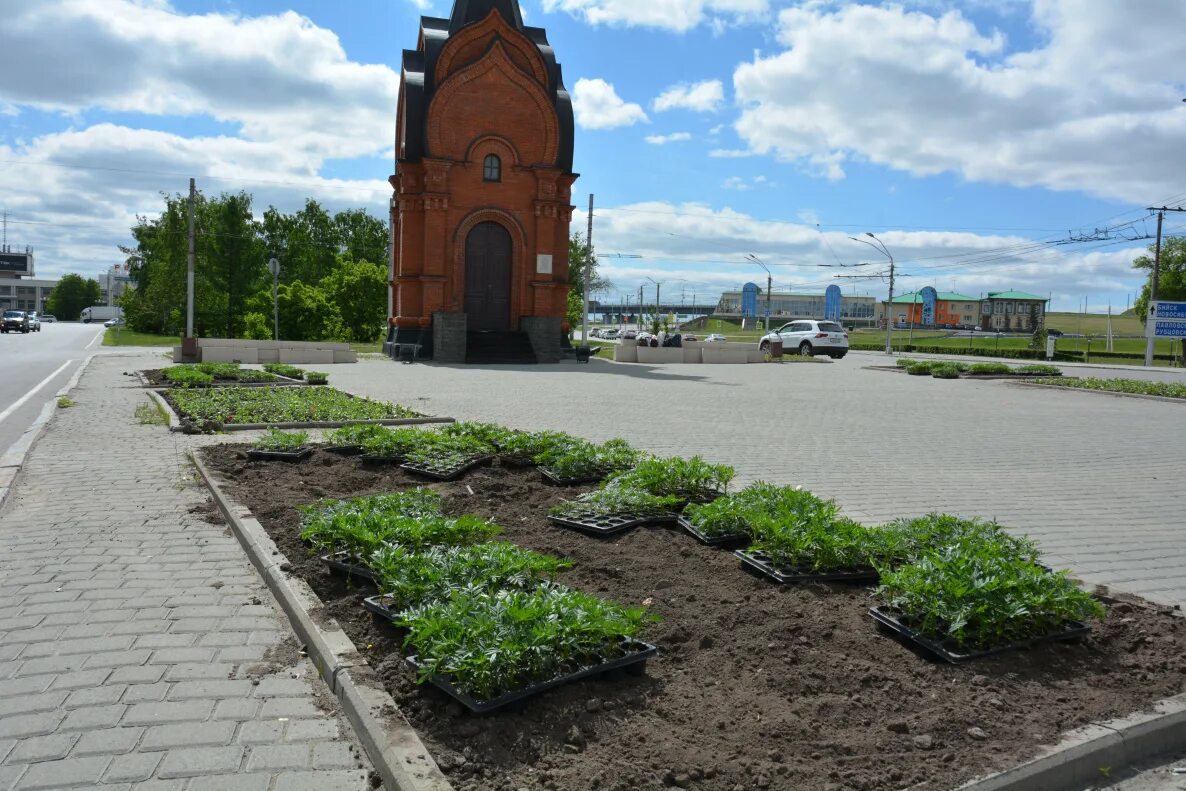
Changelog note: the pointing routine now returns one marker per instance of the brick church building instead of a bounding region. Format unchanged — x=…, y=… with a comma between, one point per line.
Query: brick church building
x=483, y=179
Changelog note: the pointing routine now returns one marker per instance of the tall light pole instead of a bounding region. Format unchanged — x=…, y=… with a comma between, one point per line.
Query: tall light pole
x=889, y=305
x=274, y=268
x=657, y=284
x=769, y=285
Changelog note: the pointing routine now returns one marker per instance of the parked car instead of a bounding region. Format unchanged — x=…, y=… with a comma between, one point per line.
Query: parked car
x=629, y=334
x=690, y=337
x=716, y=337
x=1054, y=333
x=809, y=337
x=609, y=335
x=15, y=321
x=34, y=322
x=114, y=323
x=49, y=318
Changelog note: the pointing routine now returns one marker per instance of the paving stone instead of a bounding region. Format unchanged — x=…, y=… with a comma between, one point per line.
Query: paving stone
x=25, y=725
x=65, y=774
x=141, y=674
x=306, y=730
x=225, y=688
x=43, y=748
x=242, y=709
x=188, y=734
x=28, y=704
x=269, y=732
x=198, y=761
x=319, y=781
x=193, y=671
x=144, y=693
x=79, y=679
x=133, y=768
x=157, y=713
x=278, y=687
x=93, y=717
x=108, y=741
x=289, y=707
x=334, y=755
x=278, y=756
x=243, y=782
x=95, y=696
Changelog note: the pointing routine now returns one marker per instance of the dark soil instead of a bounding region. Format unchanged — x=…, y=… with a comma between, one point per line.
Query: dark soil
x=756, y=685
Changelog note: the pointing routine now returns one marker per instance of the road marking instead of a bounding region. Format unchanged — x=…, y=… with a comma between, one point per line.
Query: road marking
x=30, y=394
x=96, y=340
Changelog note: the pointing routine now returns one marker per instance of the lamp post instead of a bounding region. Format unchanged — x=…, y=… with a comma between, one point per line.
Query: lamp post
x=769, y=285
x=657, y=284
x=889, y=305
x=274, y=268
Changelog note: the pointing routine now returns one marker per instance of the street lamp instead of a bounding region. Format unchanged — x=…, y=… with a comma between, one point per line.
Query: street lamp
x=889, y=305
x=274, y=268
x=657, y=284
x=769, y=285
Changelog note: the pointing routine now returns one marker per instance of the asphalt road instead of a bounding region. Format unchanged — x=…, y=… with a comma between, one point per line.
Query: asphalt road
x=33, y=367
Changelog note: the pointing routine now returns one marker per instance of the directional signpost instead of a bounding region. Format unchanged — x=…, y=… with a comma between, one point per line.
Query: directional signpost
x=1166, y=320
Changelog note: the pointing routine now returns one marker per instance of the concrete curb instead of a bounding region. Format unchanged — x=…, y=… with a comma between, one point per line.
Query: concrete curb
x=1076, y=761
x=399, y=756
x=13, y=460
x=1163, y=399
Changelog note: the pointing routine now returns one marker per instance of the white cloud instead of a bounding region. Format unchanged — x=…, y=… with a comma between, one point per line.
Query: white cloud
x=701, y=97
x=928, y=94
x=674, y=15
x=731, y=153
x=735, y=183
x=707, y=248
x=598, y=106
x=674, y=137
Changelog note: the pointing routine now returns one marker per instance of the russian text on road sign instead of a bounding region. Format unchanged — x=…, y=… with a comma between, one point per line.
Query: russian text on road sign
x=1169, y=310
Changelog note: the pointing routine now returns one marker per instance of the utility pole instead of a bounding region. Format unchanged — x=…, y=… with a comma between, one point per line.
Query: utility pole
x=1154, y=286
x=640, y=308
x=769, y=286
x=889, y=304
x=585, y=275
x=189, y=268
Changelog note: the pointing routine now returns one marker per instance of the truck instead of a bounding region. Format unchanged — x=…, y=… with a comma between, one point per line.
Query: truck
x=100, y=313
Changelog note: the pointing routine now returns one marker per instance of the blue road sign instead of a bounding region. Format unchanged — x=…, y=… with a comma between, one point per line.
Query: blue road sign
x=832, y=303
x=1169, y=329
x=929, y=298
x=1170, y=310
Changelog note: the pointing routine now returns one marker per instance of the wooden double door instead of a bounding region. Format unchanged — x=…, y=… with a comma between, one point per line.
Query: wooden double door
x=488, y=261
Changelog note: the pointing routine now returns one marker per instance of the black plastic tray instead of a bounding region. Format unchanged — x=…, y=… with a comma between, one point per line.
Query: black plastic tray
x=381, y=459
x=278, y=455
x=556, y=479
x=947, y=649
x=759, y=563
x=377, y=605
x=347, y=564
x=608, y=524
x=635, y=659
x=444, y=473
x=345, y=450
x=713, y=541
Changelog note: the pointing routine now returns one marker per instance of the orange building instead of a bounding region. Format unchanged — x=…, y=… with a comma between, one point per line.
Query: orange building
x=952, y=309
x=481, y=208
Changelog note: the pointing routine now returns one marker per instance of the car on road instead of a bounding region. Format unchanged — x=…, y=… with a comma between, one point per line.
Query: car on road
x=34, y=322
x=609, y=335
x=716, y=337
x=690, y=337
x=809, y=337
x=629, y=334
x=14, y=321
x=49, y=318
x=114, y=323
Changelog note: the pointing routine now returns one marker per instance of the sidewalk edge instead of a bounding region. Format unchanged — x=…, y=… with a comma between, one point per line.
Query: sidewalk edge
x=1082, y=756
x=397, y=753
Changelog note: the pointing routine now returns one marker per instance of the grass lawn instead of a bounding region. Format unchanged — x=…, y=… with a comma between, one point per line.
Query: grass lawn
x=119, y=336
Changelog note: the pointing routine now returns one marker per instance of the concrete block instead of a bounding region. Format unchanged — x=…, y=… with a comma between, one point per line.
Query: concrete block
x=718, y=353
x=347, y=356
x=266, y=355
x=660, y=354
x=229, y=354
x=692, y=353
x=448, y=337
x=306, y=356
x=626, y=353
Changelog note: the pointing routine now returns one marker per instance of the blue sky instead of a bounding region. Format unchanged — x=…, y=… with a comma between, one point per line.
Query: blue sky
x=968, y=136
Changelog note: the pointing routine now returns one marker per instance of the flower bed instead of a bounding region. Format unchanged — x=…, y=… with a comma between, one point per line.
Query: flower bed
x=259, y=407
x=279, y=445
x=1130, y=386
x=210, y=374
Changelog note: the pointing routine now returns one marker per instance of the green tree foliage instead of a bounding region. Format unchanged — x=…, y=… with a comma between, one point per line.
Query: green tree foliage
x=333, y=271
x=359, y=290
x=72, y=294
x=1172, y=283
x=581, y=257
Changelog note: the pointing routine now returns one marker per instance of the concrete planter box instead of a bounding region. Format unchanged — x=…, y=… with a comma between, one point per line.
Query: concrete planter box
x=660, y=354
x=236, y=350
x=692, y=353
x=722, y=353
x=626, y=353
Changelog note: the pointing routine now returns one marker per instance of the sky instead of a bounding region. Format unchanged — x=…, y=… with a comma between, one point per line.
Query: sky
x=989, y=145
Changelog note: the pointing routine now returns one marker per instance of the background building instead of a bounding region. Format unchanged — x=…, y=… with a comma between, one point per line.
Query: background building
x=784, y=305
x=114, y=283
x=19, y=290
x=1010, y=311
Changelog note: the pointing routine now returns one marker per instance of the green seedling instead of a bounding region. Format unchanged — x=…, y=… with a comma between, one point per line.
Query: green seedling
x=691, y=479
x=282, y=441
x=280, y=405
x=615, y=500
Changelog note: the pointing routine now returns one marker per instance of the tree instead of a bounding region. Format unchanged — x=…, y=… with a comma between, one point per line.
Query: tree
x=1037, y=327
x=362, y=237
x=72, y=293
x=581, y=257
x=306, y=314
x=1172, y=283
x=359, y=290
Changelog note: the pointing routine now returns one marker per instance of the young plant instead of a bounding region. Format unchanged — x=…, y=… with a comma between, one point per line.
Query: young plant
x=491, y=434
x=446, y=450
x=283, y=369
x=691, y=480
x=415, y=578
x=616, y=501
x=187, y=376
x=1136, y=386
x=387, y=443
x=280, y=405
x=283, y=441
x=588, y=461
x=355, y=434
x=488, y=644
x=818, y=541
x=735, y=514
x=316, y=377
x=1040, y=368
x=912, y=538
x=529, y=447
x=220, y=370
x=980, y=594
x=989, y=368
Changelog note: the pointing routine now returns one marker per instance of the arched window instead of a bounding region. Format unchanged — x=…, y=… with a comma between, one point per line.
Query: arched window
x=492, y=168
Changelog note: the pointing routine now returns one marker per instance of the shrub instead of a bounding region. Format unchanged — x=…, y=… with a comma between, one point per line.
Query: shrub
x=277, y=440
x=905, y=362
x=989, y=368
x=491, y=643
x=186, y=376
x=1047, y=370
x=316, y=377
x=688, y=479
x=414, y=578
x=945, y=371
x=921, y=368
x=283, y=369
x=980, y=594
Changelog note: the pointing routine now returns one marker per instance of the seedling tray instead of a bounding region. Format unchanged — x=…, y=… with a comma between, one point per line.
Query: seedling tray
x=278, y=455
x=637, y=653
x=950, y=650
x=556, y=479
x=382, y=459
x=515, y=461
x=713, y=541
x=608, y=524
x=442, y=472
x=379, y=605
x=345, y=450
x=348, y=565
x=761, y=564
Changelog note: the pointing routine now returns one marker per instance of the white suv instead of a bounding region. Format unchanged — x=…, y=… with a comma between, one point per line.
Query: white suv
x=808, y=337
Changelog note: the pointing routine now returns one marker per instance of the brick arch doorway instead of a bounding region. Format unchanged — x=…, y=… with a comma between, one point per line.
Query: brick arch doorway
x=488, y=254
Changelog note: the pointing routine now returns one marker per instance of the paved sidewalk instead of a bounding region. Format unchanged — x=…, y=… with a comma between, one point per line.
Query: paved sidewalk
x=138, y=646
